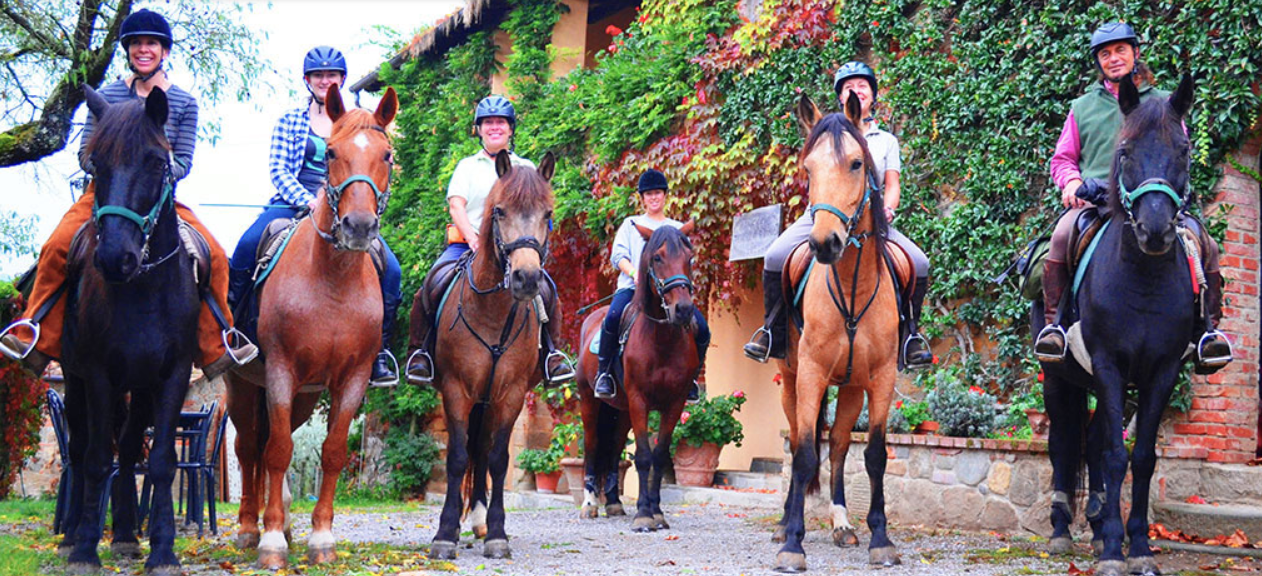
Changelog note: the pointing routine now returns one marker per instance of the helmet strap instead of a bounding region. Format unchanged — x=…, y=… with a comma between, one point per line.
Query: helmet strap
x=319, y=101
x=144, y=77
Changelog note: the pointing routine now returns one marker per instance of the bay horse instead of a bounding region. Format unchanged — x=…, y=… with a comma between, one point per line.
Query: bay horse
x=658, y=365
x=849, y=334
x=1136, y=302
x=487, y=351
x=131, y=319
x=319, y=328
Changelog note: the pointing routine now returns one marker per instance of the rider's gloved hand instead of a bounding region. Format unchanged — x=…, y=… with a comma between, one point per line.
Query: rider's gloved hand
x=1095, y=191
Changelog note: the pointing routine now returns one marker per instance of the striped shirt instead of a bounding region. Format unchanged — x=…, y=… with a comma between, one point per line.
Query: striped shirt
x=181, y=127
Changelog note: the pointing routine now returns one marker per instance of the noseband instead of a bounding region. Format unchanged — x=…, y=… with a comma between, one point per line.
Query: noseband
x=333, y=196
x=503, y=251
x=849, y=220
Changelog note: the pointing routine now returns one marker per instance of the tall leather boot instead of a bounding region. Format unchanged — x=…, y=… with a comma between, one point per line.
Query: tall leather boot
x=239, y=281
x=385, y=371
x=1213, y=350
x=1050, y=346
x=916, y=351
x=771, y=339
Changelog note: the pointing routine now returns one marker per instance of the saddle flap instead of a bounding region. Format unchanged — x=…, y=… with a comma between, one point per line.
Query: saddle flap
x=436, y=283
x=799, y=261
x=1084, y=230
x=271, y=238
x=904, y=270
x=198, y=249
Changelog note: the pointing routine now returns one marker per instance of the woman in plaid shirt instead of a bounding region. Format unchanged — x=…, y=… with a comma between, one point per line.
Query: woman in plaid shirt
x=299, y=170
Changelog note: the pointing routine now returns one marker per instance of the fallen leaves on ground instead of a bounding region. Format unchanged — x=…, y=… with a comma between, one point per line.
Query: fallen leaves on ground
x=748, y=490
x=1194, y=499
x=1076, y=571
x=1237, y=539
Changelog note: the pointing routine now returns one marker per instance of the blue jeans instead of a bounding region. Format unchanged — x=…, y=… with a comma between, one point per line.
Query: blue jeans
x=613, y=318
x=452, y=253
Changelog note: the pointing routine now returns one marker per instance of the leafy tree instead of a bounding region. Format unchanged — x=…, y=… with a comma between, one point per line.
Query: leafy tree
x=49, y=50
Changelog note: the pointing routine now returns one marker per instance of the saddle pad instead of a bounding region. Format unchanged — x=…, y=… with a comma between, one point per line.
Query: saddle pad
x=272, y=248
x=903, y=268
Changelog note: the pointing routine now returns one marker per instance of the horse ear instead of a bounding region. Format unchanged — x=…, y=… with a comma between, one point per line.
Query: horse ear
x=688, y=227
x=1181, y=101
x=333, y=102
x=96, y=103
x=387, y=108
x=1127, y=95
x=644, y=232
x=503, y=163
x=854, y=109
x=156, y=107
x=547, y=166
x=808, y=114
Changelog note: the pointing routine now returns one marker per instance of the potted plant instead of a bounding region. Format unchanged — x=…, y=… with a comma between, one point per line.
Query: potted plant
x=1029, y=406
x=704, y=429
x=916, y=414
x=544, y=464
x=567, y=439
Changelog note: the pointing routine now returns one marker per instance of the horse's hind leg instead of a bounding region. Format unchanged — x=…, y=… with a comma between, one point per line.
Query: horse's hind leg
x=591, y=410
x=1096, y=439
x=333, y=456
x=880, y=549
x=124, y=543
x=849, y=405
x=1066, y=409
x=168, y=401
x=477, y=495
x=244, y=400
x=613, y=496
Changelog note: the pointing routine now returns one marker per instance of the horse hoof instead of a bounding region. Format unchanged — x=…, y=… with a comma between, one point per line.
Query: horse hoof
x=845, y=537
x=659, y=522
x=83, y=569
x=1144, y=565
x=479, y=532
x=885, y=556
x=1110, y=568
x=790, y=562
x=273, y=559
x=64, y=549
x=167, y=570
x=496, y=549
x=588, y=512
x=779, y=536
x=441, y=550
x=1060, y=545
x=614, y=510
x=321, y=555
x=125, y=550
x=247, y=540
x=1097, y=548
x=642, y=524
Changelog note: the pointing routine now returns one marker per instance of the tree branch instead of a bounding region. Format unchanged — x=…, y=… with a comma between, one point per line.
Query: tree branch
x=20, y=19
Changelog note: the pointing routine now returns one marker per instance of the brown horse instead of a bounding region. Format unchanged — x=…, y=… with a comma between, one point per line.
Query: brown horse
x=849, y=334
x=487, y=351
x=660, y=360
x=319, y=327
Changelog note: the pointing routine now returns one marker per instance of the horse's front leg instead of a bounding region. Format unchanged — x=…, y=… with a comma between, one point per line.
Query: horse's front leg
x=333, y=456
x=1112, y=386
x=500, y=422
x=76, y=418
x=448, y=537
x=167, y=403
x=1152, y=402
x=277, y=455
x=124, y=543
x=788, y=401
x=812, y=382
x=880, y=550
x=98, y=456
x=849, y=405
x=643, y=521
x=1066, y=409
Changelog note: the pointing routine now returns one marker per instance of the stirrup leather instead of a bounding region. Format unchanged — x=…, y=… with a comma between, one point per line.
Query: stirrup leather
x=233, y=335
x=417, y=379
x=557, y=378
x=1216, y=361
x=766, y=353
x=907, y=344
x=19, y=354
x=386, y=383
x=1052, y=329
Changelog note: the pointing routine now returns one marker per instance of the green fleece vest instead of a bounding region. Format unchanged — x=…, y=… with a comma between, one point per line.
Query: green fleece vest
x=1099, y=119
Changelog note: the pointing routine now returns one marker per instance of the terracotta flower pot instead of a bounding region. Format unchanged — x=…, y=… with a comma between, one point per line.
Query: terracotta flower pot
x=573, y=468
x=1038, y=423
x=695, y=465
x=547, y=483
x=926, y=427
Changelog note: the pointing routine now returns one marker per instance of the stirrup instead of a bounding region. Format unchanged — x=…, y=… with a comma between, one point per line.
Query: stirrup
x=22, y=354
x=232, y=334
x=417, y=379
x=907, y=344
x=596, y=386
x=391, y=383
x=1051, y=329
x=762, y=359
x=1216, y=361
x=562, y=375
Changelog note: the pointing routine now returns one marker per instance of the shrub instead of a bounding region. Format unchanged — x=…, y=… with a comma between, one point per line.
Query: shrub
x=960, y=410
x=711, y=420
x=411, y=456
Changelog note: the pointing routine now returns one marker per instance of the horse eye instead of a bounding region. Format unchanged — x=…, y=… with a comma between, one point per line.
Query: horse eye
x=389, y=157
x=657, y=258
x=856, y=165
x=331, y=154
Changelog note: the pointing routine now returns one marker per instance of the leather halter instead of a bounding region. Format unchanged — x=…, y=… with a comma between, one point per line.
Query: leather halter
x=849, y=220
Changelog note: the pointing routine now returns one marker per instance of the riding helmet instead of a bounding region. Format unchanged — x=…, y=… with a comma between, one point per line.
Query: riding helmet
x=145, y=22
x=852, y=69
x=324, y=58
x=652, y=180
x=495, y=105
x=1112, y=32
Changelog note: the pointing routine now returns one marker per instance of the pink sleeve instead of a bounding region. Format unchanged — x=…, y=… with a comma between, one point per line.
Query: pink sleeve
x=1068, y=151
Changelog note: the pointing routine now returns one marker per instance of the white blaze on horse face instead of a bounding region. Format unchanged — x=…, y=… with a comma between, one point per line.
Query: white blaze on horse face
x=361, y=140
x=840, y=518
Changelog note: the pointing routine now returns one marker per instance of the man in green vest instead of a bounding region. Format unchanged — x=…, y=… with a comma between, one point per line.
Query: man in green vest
x=1080, y=168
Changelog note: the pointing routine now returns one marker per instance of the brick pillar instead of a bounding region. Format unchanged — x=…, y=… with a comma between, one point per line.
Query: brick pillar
x=1223, y=421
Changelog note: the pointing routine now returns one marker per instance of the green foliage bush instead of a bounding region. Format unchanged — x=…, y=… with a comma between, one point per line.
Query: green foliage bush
x=712, y=420
x=962, y=410
x=411, y=456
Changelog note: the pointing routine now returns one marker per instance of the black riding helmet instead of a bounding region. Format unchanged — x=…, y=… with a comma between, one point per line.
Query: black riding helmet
x=145, y=22
x=852, y=69
x=652, y=180
x=1110, y=33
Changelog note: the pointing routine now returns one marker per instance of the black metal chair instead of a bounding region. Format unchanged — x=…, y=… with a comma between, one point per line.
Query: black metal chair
x=210, y=474
x=57, y=414
x=191, y=434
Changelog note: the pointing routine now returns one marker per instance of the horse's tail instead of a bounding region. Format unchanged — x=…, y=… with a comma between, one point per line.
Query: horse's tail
x=478, y=437
x=820, y=422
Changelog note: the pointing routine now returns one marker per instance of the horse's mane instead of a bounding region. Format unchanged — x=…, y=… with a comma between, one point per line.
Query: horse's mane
x=116, y=136
x=520, y=190
x=1153, y=118
x=837, y=126
x=674, y=241
x=355, y=120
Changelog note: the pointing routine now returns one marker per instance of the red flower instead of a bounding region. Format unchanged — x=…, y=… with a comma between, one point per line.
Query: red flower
x=899, y=404
x=573, y=87
x=1040, y=377
x=613, y=30
x=738, y=394
x=683, y=418
x=875, y=23
x=935, y=358
x=975, y=390
x=777, y=378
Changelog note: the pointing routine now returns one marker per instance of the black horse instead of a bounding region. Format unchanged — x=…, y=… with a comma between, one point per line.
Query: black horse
x=1137, y=315
x=131, y=320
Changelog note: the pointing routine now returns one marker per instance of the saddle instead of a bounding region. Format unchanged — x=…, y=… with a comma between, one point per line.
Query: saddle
x=624, y=333
x=276, y=236
x=802, y=261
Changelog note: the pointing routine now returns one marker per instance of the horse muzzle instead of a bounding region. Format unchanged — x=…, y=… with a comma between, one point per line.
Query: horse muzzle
x=828, y=251
x=680, y=313
x=524, y=283
x=1155, y=240
x=118, y=252
x=358, y=230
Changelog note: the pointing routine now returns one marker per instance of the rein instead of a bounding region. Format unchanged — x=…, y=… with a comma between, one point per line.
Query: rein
x=333, y=197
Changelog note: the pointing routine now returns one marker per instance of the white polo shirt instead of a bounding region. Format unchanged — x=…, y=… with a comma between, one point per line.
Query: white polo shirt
x=473, y=179
x=885, y=154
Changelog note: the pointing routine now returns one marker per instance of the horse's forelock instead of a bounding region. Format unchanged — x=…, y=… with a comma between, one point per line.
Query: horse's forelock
x=126, y=126
x=354, y=121
x=837, y=126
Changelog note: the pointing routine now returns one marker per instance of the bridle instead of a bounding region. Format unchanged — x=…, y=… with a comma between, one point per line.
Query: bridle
x=333, y=194
x=663, y=286
x=503, y=251
x=1130, y=197
x=146, y=223
x=850, y=221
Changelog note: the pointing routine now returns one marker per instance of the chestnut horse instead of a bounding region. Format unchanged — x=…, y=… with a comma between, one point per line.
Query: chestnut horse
x=849, y=334
x=487, y=351
x=319, y=327
x=660, y=360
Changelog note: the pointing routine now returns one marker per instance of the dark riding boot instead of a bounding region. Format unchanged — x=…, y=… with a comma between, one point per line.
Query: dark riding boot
x=916, y=351
x=557, y=368
x=239, y=282
x=1213, y=350
x=1050, y=346
x=694, y=391
x=770, y=341
x=385, y=370
x=605, y=387
x=420, y=368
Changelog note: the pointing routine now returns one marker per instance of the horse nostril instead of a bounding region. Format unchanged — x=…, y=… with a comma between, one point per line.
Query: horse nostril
x=128, y=264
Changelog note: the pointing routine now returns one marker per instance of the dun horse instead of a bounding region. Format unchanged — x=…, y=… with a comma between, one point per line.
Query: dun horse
x=319, y=327
x=849, y=334
x=487, y=351
x=658, y=365
x=1137, y=319
x=131, y=316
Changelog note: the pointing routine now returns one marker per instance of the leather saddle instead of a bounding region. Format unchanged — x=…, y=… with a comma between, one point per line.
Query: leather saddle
x=272, y=243
x=191, y=240
x=802, y=259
